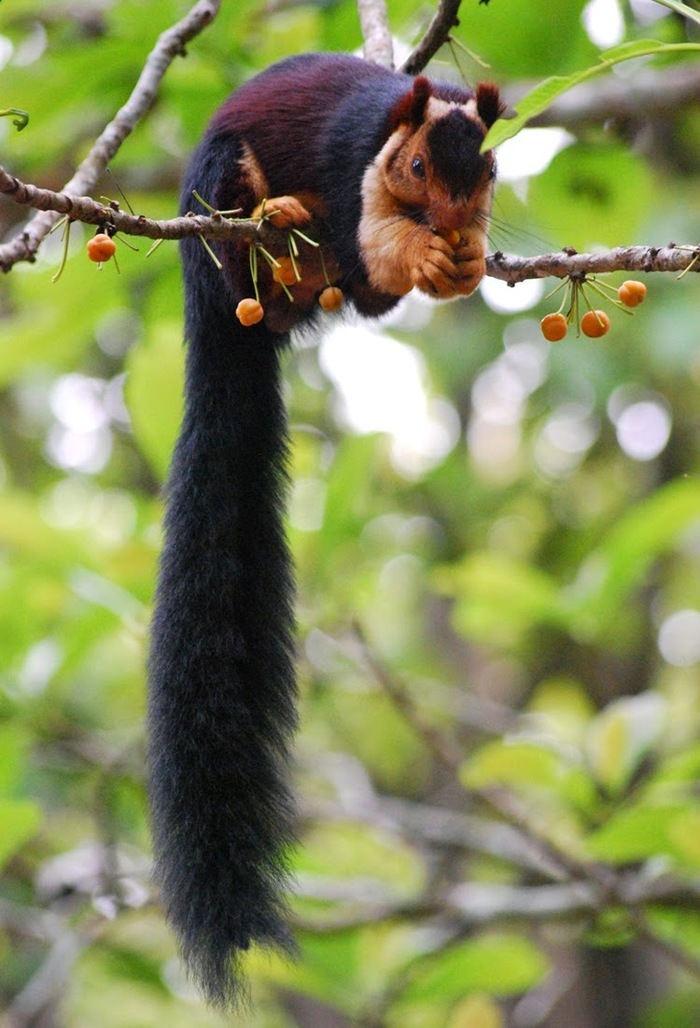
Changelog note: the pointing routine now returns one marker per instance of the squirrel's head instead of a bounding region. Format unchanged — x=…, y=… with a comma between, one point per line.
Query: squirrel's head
x=432, y=160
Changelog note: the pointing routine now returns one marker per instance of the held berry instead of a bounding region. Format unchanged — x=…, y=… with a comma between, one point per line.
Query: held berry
x=249, y=312
x=100, y=248
x=331, y=298
x=286, y=273
x=595, y=324
x=631, y=293
x=553, y=327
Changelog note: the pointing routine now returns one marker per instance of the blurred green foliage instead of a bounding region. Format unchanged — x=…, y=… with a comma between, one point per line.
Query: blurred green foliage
x=520, y=550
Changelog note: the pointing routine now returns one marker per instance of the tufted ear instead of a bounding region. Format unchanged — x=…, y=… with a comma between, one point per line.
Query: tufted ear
x=489, y=105
x=410, y=109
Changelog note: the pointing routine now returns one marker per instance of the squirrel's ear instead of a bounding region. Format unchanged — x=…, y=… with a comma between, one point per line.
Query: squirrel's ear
x=410, y=109
x=489, y=105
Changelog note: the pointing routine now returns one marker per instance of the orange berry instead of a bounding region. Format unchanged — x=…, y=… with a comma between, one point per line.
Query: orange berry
x=286, y=273
x=453, y=237
x=101, y=248
x=331, y=298
x=631, y=293
x=249, y=311
x=553, y=327
x=595, y=324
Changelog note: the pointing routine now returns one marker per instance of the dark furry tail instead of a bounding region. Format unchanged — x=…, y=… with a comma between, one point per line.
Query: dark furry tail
x=222, y=689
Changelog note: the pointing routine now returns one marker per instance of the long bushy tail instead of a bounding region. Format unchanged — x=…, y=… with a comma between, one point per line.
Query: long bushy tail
x=222, y=689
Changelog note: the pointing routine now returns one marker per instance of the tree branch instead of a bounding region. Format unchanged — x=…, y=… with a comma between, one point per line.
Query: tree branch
x=672, y=257
x=501, y=801
x=437, y=34
x=170, y=44
x=581, y=890
x=439, y=829
x=374, y=25
x=507, y=267
x=47, y=986
x=480, y=903
x=93, y=212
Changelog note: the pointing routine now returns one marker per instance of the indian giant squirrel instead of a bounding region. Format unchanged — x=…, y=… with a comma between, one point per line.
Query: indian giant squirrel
x=385, y=172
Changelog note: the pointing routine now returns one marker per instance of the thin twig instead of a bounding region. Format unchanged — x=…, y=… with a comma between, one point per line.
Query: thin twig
x=436, y=35
x=441, y=745
x=446, y=828
x=170, y=44
x=470, y=905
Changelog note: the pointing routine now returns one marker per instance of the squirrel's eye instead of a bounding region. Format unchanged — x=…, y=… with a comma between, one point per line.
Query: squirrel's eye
x=418, y=168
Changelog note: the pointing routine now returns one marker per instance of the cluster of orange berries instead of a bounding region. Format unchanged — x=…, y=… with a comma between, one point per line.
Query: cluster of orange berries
x=593, y=323
x=286, y=271
x=250, y=311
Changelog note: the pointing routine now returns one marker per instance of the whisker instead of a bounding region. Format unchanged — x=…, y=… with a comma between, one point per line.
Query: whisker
x=502, y=232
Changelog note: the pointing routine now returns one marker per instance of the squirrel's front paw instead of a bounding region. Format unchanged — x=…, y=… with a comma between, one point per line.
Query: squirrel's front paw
x=449, y=267
x=435, y=272
x=470, y=262
x=283, y=212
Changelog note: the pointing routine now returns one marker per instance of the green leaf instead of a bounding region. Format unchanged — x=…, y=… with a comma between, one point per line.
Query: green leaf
x=621, y=735
x=330, y=967
x=349, y=498
x=376, y=733
x=53, y=324
x=477, y=1011
x=682, y=9
x=610, y=929
x=621, y=561
x=513, y=763
x=681, y=771
x=27, y=535
x=354, y=850
x=13, y=748
x=540, y=98
x=563, y=708
x=19, y=821
x=499, y=964
x=154, y=393
x=497, y=598
x=679, y=925
x=684, y=835
x=519, y=40
x=526, y=765
x=644, y=831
